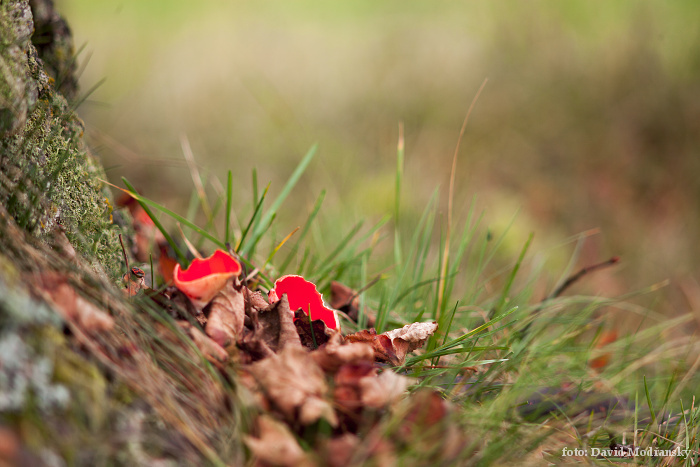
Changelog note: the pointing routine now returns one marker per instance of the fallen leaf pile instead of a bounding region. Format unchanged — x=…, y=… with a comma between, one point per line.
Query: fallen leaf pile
x=300, y=372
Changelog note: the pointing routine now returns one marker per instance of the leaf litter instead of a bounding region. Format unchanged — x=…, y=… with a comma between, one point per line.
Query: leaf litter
x=293, y=370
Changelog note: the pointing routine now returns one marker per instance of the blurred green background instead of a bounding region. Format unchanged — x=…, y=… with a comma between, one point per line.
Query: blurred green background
x=590, y=118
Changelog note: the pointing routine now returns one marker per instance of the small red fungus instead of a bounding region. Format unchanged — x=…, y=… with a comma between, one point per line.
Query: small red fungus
x=206, y=277
x=303, y=294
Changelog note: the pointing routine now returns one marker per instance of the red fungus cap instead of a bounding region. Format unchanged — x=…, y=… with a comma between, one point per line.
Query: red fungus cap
x=303, y=294
x=206, y=277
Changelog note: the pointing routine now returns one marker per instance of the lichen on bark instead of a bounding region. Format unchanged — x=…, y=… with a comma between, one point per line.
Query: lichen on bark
x=47, y=174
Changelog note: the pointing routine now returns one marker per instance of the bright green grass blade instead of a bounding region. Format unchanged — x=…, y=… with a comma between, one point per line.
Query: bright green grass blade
x=229, y=197
x=511, y=277
x=441, y=353
x=291, y=182
x=302, y=263
x=477, y=330
x=250, y=246
x=406, y=268
x=240, y=248
x=257, y=216
x=327, y=261
x=651, y=406
x=145, y=203
x=304, y=231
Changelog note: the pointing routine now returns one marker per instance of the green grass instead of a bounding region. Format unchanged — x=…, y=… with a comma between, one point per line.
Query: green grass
x=496, y=345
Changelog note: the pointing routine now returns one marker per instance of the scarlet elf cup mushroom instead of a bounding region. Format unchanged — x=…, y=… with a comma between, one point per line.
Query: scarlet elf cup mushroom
x=303, y=294
x=206, y=277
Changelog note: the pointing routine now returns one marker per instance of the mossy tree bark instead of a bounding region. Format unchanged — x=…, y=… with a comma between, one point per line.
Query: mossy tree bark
x=48, y=176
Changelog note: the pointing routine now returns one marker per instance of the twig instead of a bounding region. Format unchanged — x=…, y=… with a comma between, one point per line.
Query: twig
x=587, y=270
x=126, y=259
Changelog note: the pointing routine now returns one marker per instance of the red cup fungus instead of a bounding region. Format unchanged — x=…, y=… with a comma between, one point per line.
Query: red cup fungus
x=303, y=294
x=206, y=277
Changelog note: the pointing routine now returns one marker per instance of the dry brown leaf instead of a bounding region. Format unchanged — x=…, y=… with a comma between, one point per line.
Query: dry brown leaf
x=254, y=299
x=393, y=346
x=211, y=350
x=277, y=328
x=272, y=330
x=347, y=392
x=333, y=355
x=313, y=334
x=381, y=345
x=275, y=444
x=340, y=450
x=73, y=307
x=225, y=320
x=415, y=334
x=383, y=390
x=294, y=384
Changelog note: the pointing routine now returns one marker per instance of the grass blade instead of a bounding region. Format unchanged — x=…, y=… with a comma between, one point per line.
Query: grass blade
x=145, y=205
x=229, y=197
x=291, y=182
x=304, y=231
x=239, y=248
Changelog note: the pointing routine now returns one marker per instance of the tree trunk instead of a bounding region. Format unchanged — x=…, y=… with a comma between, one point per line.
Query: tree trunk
x=48, y=176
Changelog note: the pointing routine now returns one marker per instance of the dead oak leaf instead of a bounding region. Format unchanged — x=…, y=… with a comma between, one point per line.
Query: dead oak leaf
x=226, y=314
x=277, y=326
x=410, y=337
x=272, y=330
x=295, y=385
x=357, y=386
x=333, y=355
x=393, y=346
x=313, y=334
x=383, y=390
x=254, y=299
x=347, y=392
x=275, y=444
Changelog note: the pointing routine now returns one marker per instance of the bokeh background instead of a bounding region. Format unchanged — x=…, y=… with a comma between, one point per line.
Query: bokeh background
x=590, y=118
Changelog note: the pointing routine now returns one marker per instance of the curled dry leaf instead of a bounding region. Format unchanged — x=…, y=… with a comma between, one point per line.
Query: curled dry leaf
x=333, y=355
x=358, y=386
x=312, y=334
x=340, y=451
x=272, y=330
x=225, y=320
x=347, y=391
x=295, y=385
x=393, y=346
x=210, y=349
x=381, y=345
x=277, y=328
x=73, y=307
x=275, y=444
x=255, y=299
x=383, y=390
